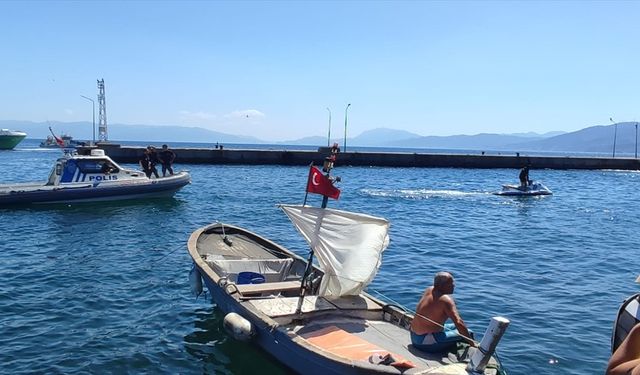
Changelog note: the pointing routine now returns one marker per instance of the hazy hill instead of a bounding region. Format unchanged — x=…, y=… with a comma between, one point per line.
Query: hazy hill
x=120, y=132
x=592, y=139
x=381, y=137
x=384, y=137
x=307, y=141
x=467, y=142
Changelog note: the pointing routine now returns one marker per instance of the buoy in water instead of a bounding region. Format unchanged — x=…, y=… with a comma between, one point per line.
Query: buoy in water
x=237, y=326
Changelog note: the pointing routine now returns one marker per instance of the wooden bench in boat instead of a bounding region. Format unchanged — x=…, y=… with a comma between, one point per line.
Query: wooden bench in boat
x=287, y=306
x=281, y=286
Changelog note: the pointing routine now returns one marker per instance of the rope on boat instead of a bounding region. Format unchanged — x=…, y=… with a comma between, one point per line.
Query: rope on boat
x=169, y=253
x=475, y=343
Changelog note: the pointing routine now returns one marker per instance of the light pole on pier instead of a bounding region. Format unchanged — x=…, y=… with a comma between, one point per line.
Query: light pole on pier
x=345, y=127
x=615, y=134
x=636, y=140
x=94, y=118
x=329, y=134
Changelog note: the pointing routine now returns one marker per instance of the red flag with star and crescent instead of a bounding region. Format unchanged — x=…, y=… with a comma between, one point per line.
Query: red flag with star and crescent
x=321, y=184
x=59, y=140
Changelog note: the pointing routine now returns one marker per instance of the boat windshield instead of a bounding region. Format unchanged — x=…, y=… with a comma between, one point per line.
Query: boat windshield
x=96, y=166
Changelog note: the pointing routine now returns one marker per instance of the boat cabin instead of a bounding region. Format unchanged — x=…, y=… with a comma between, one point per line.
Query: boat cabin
x=93, y=168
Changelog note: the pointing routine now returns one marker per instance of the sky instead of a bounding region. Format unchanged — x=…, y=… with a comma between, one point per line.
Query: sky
x=279, y=70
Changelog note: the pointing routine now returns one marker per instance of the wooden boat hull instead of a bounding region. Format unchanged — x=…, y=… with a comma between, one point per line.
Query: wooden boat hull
x=283, y=335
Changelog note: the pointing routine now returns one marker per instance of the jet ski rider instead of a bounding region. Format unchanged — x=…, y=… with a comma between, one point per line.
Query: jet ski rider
x=524, y=178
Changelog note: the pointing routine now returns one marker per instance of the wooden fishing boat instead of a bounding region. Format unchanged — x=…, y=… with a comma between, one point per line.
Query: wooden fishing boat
x=318, y=319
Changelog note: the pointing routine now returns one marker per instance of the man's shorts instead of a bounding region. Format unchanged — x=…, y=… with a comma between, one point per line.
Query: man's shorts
x=437, y=342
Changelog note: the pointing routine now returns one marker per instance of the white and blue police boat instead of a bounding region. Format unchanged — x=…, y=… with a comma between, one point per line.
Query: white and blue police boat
x=90, y=178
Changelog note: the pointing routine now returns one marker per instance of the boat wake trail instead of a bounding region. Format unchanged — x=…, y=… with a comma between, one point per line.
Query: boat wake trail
x=420, y=193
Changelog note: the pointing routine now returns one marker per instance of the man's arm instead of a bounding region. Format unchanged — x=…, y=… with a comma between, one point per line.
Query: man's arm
x=452, y=313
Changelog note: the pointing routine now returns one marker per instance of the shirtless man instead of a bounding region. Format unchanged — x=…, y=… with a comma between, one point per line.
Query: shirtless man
x=626, y=359
x=432, y=334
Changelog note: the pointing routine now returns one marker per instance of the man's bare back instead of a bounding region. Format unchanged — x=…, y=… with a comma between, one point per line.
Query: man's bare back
x=436, y=306
x=432, y=307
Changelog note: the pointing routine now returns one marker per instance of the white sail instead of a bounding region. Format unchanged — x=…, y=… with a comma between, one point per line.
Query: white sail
x=348, y=246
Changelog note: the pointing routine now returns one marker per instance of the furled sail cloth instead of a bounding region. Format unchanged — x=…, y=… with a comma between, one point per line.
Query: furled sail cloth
x=348, y=246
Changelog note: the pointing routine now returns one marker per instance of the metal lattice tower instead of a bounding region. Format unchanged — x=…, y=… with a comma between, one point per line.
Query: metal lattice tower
x=102, y=104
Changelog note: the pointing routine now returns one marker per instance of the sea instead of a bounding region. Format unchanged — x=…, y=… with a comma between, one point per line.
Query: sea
x=103, y=287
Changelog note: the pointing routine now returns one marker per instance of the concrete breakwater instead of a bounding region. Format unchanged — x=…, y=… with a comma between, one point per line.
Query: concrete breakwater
x=125, y=154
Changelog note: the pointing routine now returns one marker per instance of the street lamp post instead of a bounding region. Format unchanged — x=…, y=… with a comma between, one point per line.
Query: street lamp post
x=636, y=140
x=345, y=127
x=615, y=134
x=329, y=134
x=94, y=118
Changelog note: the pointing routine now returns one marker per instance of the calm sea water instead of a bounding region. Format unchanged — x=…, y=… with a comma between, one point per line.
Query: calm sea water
x=103, y=288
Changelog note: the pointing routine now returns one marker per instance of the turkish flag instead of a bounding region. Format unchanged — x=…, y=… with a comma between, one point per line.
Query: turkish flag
x=59, y=141
x=321, y=184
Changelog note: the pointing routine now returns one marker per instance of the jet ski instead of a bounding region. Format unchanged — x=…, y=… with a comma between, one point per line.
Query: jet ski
x=534, y=188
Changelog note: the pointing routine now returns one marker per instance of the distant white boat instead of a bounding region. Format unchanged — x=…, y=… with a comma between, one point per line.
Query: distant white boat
x=89, y=178
x=68, y=142
x=533, y=189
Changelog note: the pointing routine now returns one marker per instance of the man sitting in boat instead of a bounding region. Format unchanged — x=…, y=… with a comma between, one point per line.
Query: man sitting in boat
x=428, y=329
x=524, y=178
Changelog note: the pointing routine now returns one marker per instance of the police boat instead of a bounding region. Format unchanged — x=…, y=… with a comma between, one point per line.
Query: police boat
x=90, y=178
x=533, y=189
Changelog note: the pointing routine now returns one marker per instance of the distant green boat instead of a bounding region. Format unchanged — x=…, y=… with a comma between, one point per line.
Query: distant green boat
x=10, y=138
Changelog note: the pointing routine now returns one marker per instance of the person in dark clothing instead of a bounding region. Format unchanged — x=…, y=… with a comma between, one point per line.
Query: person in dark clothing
x=153, y=160
x=524, y=177
x=107, y=168
x=166, y=158
x=145, y=163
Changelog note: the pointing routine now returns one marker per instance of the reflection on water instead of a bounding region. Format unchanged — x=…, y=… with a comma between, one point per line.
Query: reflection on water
x=220, y=354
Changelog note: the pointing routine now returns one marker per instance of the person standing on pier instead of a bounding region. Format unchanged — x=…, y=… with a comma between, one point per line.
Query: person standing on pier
x=167, y=157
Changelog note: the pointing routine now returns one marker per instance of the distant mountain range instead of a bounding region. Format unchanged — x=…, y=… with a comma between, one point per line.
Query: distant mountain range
x=595, y=139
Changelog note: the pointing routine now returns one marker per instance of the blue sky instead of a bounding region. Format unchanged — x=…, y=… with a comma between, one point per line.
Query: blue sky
x=271, y=69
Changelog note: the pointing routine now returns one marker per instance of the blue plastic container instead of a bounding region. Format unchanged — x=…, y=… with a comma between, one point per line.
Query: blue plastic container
x=250, y=278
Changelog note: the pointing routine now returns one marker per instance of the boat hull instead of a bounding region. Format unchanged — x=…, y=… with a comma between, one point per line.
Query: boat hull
x=276, y=331
x=536, y=189
x=9, y=142
x=278, y=344
x=628, y=316
x=22, y=194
